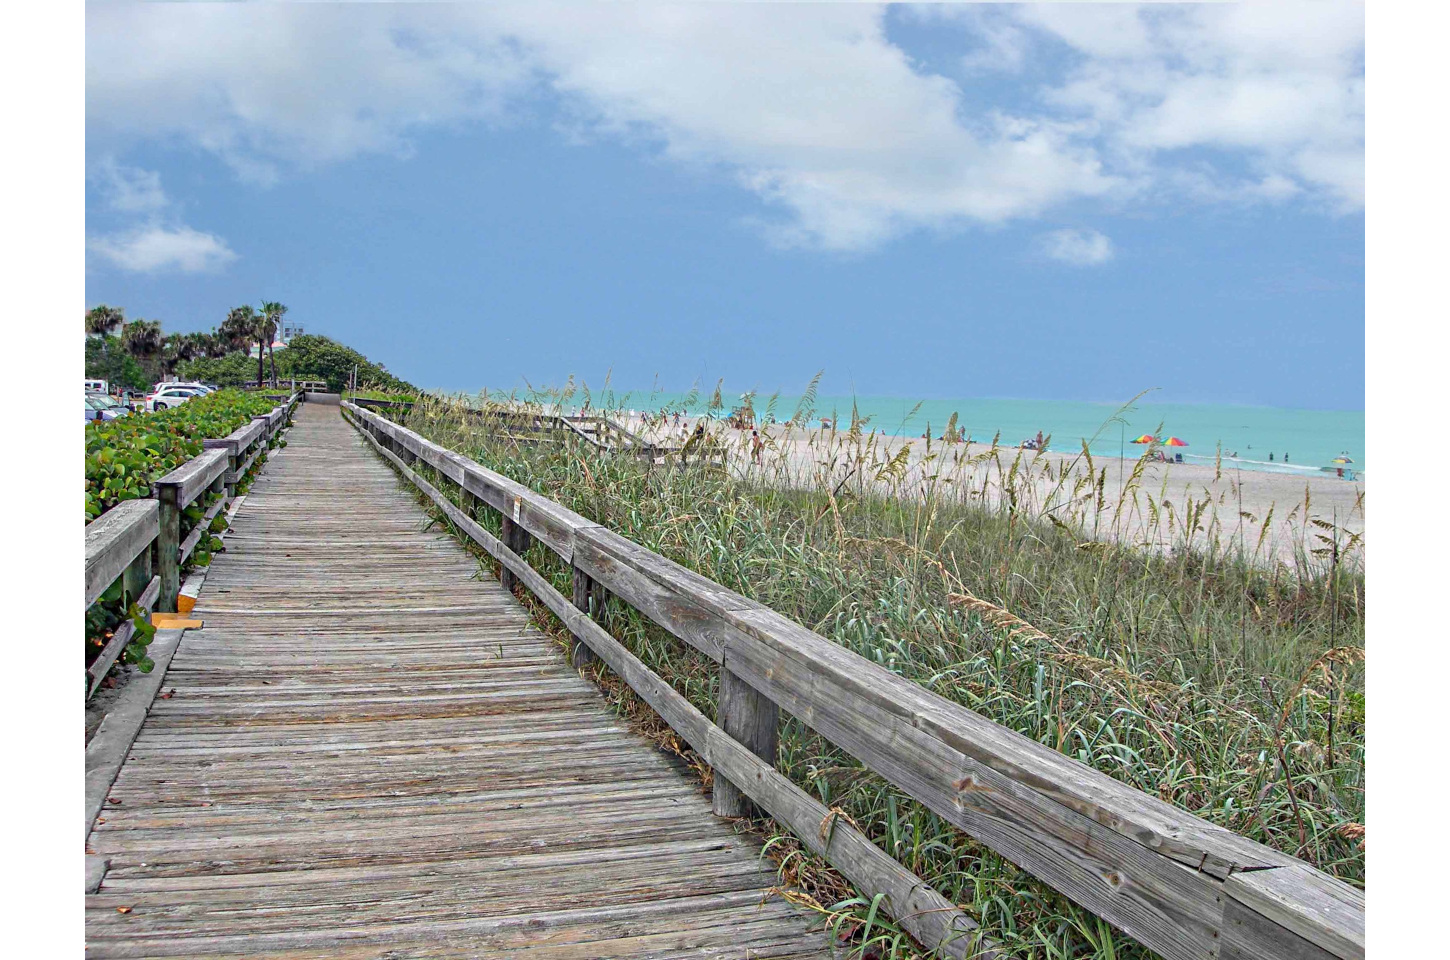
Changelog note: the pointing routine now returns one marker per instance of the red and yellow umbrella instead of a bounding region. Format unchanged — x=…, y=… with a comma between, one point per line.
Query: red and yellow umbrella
x=1146, y=438
x=1175, y=442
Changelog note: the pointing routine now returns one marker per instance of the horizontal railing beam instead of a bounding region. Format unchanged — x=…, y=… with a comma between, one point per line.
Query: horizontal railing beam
x=114, y=539
x=195, y=475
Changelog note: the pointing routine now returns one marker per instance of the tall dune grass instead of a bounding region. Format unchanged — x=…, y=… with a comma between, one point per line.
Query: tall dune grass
x=1207, y=673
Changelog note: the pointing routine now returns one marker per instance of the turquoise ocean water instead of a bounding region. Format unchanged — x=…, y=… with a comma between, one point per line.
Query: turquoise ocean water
x=1310, y=438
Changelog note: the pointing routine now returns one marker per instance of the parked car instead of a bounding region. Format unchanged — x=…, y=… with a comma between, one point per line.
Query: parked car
x=97, y=386
x=102, y=407
x=201, y=388
x=167, y=397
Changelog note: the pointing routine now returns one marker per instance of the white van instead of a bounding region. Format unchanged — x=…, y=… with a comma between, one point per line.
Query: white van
x=97, y=386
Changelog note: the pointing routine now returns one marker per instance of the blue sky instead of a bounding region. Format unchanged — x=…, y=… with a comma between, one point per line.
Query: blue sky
x=1067, y=201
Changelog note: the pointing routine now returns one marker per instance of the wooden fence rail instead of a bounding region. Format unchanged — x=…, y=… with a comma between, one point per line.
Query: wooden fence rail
x=137, y=537
x=1183, y=887
x=598, y=431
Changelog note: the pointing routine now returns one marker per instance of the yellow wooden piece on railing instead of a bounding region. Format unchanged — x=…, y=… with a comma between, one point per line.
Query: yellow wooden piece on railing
x=174, y=621
x=184, y=604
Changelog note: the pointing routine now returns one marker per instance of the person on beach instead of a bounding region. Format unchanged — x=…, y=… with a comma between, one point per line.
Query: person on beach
x=1286, y=458
x=1271, y=458
x=757, y=448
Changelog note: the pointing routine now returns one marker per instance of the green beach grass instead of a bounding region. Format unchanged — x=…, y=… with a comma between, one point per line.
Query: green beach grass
x=1230, y=687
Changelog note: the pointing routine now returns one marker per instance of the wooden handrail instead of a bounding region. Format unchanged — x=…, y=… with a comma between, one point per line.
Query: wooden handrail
x=547, y=422
x=1178, y=884
x=114, y=539
x=133, y=537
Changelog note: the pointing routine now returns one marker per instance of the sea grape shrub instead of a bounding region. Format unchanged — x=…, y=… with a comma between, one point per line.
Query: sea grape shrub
x=124, y=456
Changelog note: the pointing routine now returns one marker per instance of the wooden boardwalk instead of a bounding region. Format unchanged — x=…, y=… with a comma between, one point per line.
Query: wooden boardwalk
x=368, y=752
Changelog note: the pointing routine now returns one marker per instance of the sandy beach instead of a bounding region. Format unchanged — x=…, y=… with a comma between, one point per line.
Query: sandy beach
x=1268, y=515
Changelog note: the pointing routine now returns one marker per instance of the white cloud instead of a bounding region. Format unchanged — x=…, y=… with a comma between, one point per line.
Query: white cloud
x=1081, y=248
x=810, y=107
x=1280, y=85
x=128, y=189
x=272, y=85
x=157, y=242
x=153, y=247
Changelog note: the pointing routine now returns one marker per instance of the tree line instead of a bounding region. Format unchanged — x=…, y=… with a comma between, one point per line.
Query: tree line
x=136, y=353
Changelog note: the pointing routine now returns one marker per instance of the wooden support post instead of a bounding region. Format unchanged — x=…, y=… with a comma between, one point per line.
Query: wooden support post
x=589, y=596
x=231, y=448
x=517, y=539
x=470, y=503
x=137, y=576
x=750, y=718
x=168, y=548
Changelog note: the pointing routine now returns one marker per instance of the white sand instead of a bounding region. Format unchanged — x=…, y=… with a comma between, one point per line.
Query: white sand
x=802, y=456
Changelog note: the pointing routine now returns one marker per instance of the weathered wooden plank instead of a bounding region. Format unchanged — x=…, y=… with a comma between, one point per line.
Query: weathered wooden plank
x=95, y=872
x=107, y=750
x=588, y=597
x=754, y=722
x=114, y=539
x=168, y=546
x=202, y=528
x=100, y=666
x=1323, y=912
x=195, y=475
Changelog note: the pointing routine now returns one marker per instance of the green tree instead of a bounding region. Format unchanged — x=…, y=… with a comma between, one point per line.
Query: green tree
x=104, y=321
x=235, y=332
x=312, y=357
x=142, y=339
x=106, y=360
x=274, y=312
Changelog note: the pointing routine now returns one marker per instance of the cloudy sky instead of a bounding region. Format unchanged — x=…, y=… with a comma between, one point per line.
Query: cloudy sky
x=1065, y=200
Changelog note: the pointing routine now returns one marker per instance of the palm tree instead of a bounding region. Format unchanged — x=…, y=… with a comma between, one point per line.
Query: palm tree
x=236, y=331
x=103, y=321
x=212, y=345
x=274, y=312
x=263, y=329
x=182, y=348
x=142, y=338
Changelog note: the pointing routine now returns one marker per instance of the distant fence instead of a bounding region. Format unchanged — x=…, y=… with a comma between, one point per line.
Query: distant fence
x=1181, y=886
x=140, y=540
x=529, y=427
x=294, y=386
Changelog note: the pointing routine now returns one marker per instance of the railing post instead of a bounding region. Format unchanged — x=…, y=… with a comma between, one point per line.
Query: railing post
x=750, y=717
x=230, y=446
x=589, y=596
x=168, y=547
x=517, y=539
x=137, y=575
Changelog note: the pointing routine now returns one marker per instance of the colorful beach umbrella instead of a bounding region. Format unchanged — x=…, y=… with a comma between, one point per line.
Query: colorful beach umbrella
x=1342, y=459
x=1175, y=442
x=1146, y=438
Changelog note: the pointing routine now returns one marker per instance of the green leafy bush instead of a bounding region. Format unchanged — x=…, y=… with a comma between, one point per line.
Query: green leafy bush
x=123, y=456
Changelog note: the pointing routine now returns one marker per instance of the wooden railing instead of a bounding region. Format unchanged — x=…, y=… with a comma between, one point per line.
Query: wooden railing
x=291, y=385
x=1181, y=886
x=140, y=540
x=527, y=426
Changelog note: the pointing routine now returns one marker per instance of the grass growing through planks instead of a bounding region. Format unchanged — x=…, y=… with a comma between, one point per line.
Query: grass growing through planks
x=1219, y=679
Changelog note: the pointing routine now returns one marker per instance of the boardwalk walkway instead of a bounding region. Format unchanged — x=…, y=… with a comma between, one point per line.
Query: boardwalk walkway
x=369, y=752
